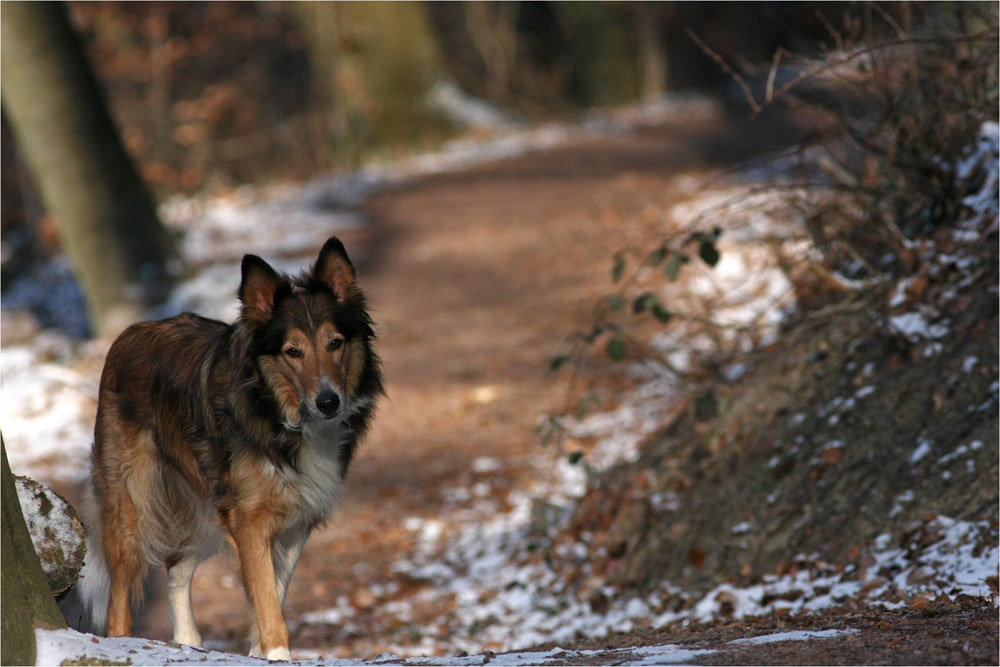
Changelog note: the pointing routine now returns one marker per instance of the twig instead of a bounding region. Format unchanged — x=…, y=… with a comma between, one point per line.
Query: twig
x=868, y=50
x=740, y=81
x=772, y=97
x=769, y=91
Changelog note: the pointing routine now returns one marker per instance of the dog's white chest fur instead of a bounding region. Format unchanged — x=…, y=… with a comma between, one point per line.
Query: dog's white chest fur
x=319, y=477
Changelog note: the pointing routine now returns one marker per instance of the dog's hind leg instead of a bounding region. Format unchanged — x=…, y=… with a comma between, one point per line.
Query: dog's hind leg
x=125, y=564
x=124, y=473
x=180, y=574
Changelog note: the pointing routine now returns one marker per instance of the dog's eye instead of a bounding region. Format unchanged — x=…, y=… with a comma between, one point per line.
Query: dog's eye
x=336, y=343
x=293, y=353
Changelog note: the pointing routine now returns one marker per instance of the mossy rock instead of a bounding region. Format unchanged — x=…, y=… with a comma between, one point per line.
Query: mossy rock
x=56, y=532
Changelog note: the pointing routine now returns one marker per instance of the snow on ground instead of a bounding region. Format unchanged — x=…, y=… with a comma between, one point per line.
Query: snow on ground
x=503, y=597
x=56, y=646
x=53, y=647
x=794, y=636
x=48, y=402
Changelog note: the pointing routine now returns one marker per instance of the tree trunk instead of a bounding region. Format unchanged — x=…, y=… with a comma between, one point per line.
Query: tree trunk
x=105, y=215
x=370, y=74
x=27, y=602
x=493, y=30
x=648, y=21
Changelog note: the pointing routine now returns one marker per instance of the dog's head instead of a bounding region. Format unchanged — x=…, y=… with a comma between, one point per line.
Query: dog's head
x=311, y=337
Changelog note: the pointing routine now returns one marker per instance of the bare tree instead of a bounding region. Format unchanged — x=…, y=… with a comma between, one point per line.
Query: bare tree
x=106, y=217
x=648, y=21
x=493, y=31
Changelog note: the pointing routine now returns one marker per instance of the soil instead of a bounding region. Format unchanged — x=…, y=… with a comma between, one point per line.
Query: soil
x=965, y=636
x=476, y=278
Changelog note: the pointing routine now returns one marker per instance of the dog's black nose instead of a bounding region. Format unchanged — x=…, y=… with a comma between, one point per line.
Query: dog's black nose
x=327, y=401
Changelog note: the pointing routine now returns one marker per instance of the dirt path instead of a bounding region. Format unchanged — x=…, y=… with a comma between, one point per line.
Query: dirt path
x=475, y=279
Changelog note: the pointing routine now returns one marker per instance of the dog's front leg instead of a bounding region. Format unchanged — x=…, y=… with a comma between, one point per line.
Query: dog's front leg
x=252, y=536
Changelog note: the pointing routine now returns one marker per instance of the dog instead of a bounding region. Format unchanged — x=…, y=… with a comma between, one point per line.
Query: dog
x=242, y=433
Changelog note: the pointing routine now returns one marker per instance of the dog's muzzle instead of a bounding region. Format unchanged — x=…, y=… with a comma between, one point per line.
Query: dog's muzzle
x=328, y=402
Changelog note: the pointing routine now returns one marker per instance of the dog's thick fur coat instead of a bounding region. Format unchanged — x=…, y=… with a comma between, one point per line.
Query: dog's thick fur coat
x=241, y=433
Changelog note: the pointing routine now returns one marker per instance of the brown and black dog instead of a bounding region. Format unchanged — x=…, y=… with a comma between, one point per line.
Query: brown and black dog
x=242, y=433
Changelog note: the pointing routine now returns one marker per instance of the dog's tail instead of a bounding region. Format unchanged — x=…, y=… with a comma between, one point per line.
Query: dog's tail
x=85, y=606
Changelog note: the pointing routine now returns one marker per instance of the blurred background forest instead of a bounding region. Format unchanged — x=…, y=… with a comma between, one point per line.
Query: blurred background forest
x=210, y=96
x=218, y=94
x=800, y=310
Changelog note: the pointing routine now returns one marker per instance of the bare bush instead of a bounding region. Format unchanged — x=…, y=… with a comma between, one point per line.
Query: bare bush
x=895, y=161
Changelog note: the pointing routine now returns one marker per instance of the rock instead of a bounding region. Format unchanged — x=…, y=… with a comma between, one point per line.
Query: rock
x=56, y=532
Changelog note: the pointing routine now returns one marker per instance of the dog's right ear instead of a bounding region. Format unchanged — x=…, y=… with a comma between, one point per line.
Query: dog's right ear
x=258, y=288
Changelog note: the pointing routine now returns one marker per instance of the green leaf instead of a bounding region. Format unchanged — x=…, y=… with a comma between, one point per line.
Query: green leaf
x=549, y=429
x=594, y=335
x=619, y=268
x=643, y=303
x=616, y=349
x=674, y=265
x=706, y=245
x=586, y=403
x=661, y=313
x=707, y=251
x=558, y=362
x=706, y=406
x=657, y=256
x=575, y=458
x=648, y=303
x=617, y=303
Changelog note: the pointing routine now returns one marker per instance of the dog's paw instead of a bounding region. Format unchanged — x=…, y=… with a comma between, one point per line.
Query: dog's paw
x=187, y=637
x=280, y=653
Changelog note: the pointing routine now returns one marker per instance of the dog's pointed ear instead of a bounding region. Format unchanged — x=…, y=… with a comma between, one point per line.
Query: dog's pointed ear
x=259, y=287
x=333, y=268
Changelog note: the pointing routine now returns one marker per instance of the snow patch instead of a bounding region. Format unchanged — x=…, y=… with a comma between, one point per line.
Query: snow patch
x=56, y=646
x=922, y=450
x=464, y=109
x=47, y=407
x=915, y=327
x=793, y=636
x=983, y=162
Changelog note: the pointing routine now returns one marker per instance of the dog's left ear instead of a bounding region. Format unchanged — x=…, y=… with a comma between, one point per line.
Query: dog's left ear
x=333, y=268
